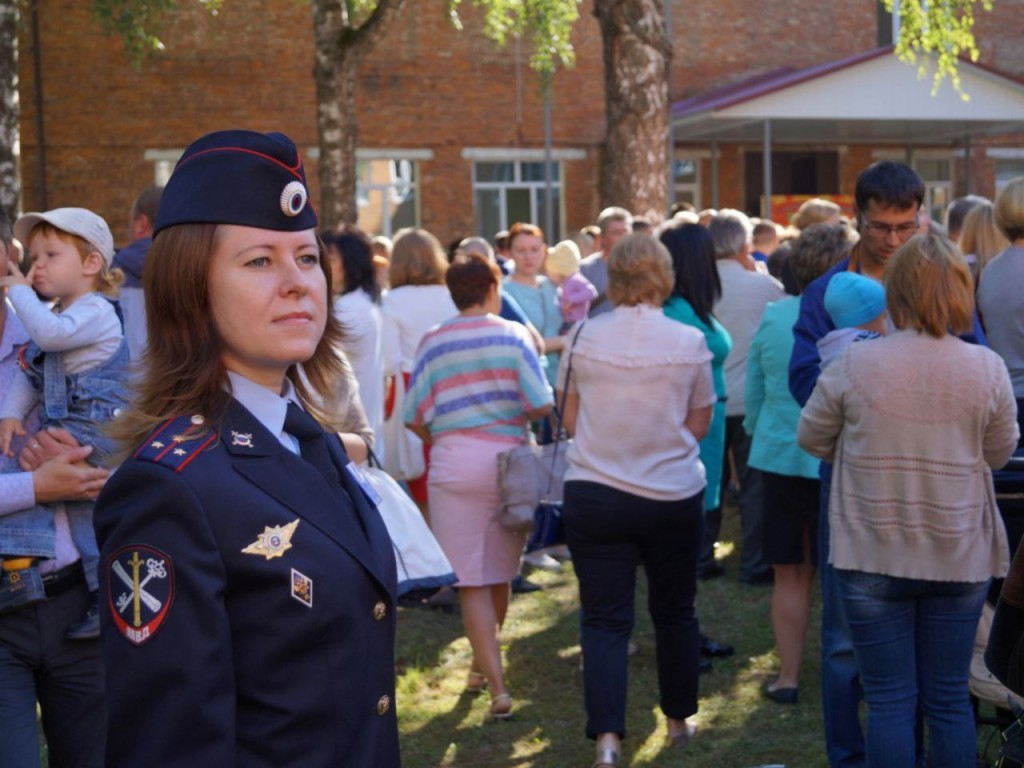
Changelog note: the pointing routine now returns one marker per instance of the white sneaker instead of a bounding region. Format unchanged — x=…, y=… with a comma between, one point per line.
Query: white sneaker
x=542, y=560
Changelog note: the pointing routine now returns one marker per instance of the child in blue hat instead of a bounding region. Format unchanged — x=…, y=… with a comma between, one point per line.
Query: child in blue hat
x=856, y=305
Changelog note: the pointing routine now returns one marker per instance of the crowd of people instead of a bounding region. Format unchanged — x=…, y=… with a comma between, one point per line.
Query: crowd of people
x=851, y=384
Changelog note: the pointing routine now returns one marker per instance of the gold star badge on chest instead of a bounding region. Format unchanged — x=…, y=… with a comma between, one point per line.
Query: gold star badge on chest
x=274, y=541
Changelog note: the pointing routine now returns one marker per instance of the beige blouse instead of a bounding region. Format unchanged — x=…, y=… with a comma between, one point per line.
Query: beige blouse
x=638, y=374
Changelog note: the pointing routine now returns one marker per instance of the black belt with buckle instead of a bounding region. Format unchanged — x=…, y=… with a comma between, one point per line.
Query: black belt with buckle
x=60, y=581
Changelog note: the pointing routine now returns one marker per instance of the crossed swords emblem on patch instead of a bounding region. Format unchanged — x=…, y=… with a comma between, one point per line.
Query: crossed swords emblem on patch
x=141, y=593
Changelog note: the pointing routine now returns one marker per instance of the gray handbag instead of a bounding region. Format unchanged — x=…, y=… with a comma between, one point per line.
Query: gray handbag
x=529, y=473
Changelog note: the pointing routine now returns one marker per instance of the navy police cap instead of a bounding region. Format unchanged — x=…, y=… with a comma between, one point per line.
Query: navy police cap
x=238, y=177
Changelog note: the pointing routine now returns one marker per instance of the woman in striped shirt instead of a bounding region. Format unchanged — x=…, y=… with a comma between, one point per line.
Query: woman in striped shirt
x=476, y=384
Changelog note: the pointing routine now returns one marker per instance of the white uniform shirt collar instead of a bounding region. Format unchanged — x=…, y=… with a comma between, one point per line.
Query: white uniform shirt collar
x=268, y=408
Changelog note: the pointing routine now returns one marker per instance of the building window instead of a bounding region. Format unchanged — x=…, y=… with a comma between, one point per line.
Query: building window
x=163, y=161
x=1007, y=170
x=686, y=179
x=888, y=23
x=506, y=192
x=938, y=184
x=386, y=195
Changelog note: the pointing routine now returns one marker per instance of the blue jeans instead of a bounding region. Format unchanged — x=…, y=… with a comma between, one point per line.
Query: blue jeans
x=913, y=640
x=82, y=403
x=841, y=690
x=610, y=533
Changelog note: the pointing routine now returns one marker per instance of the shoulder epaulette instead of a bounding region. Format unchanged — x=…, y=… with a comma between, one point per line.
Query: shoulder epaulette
x=176, y=442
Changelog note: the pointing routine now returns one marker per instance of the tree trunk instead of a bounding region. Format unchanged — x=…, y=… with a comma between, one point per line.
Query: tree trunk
x=339, y=47
x=637, y=53
x=10, y=182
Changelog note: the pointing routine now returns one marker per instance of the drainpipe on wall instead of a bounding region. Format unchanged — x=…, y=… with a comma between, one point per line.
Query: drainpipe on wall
x=40, y=133
x=670, y=139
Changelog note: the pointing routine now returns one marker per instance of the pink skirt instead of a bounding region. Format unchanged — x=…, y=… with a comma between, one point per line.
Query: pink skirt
x=463, y=492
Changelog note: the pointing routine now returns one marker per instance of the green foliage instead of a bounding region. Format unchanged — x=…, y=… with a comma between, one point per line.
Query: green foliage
x=941, y=27
x=137, y=21
x=358, y=11
x=547, y=24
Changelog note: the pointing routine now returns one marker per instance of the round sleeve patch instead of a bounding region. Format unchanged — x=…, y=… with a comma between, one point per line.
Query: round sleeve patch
x=140, y=590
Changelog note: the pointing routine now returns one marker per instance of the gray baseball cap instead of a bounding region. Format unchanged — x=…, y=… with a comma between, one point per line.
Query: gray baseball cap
x=76, y=221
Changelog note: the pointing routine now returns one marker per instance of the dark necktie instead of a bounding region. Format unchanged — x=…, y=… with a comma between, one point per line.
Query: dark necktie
x=312, y=443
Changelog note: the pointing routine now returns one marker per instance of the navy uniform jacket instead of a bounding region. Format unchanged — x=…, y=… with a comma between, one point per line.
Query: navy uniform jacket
x=248, y=611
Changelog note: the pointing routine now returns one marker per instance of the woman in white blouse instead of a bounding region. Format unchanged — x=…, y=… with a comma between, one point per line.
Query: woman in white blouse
x=639, y=399
x=355, y=295
x=418, y=300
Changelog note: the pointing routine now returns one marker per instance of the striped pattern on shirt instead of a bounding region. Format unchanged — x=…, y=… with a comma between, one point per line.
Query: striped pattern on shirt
x=478, y=374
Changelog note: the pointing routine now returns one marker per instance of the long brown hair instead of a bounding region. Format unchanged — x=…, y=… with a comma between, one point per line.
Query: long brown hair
x=182, y=370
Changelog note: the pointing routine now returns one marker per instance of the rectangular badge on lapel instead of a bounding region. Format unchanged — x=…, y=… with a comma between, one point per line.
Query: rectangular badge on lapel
x=302, y=588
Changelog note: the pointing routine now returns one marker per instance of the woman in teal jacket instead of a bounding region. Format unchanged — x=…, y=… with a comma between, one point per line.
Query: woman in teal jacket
x=791, y=486
x=697, y=288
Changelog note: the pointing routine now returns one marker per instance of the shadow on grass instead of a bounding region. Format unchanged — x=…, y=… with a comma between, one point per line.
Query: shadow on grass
x=738, y=728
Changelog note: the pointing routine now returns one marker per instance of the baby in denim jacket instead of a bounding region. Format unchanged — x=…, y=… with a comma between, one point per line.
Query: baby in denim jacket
x=76, y=368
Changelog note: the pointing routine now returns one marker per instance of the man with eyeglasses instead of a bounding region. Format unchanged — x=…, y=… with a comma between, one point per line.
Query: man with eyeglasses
x=888, y=197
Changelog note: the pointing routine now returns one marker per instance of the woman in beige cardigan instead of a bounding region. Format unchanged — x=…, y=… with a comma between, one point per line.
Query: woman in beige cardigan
x=914, y=423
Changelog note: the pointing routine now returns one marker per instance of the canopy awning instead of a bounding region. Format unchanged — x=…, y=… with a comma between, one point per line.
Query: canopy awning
x=871, y=97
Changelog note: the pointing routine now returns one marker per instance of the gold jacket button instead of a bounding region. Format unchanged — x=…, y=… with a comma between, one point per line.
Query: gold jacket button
x=383, y=705
x=380, y=610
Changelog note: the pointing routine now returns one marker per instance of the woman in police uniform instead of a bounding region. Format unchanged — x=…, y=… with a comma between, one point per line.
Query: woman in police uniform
x=247, y=580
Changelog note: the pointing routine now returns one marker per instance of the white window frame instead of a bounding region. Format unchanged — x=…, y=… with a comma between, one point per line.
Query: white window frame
x=517, y=157
x=397, y=188
x=998, y=154
x=931, y=185
x=691, y=187
x=163, y=161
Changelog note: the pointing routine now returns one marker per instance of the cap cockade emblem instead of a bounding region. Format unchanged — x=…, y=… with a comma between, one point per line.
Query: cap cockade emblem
x=293, y=198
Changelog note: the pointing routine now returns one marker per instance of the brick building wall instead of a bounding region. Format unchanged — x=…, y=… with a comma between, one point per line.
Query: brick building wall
x=428, y=87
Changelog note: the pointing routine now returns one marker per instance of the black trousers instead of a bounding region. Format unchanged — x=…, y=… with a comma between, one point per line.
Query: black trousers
x=64, y=676
x=610, y=533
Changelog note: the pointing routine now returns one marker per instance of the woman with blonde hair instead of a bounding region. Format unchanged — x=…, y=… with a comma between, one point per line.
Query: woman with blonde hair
x=817, y=210
x=418, y=300
x=1000, y=298
x=914, y=424
x=639, y=394
x=980, y=239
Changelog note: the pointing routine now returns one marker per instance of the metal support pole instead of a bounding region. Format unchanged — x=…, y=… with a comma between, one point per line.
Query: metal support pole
x=767, y=212
x=714, y=175
x=549, y=212
x=968, y=175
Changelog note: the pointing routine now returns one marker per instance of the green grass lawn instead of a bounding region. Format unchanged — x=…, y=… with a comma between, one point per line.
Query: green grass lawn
x=441, y=727
x=738, y=728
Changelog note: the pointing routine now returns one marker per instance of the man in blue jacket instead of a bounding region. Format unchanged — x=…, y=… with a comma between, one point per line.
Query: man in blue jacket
x=888, y=197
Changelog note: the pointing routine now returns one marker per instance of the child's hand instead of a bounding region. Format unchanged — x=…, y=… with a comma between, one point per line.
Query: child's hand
x=8, y=429
x=13, y=277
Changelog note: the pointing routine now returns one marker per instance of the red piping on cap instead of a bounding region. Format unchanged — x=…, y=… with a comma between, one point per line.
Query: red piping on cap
x=294, y=170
